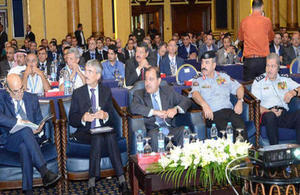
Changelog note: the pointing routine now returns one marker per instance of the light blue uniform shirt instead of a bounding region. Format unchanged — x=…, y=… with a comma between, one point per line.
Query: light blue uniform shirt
x=216, y=91
x=271, y=93
x=108, y=71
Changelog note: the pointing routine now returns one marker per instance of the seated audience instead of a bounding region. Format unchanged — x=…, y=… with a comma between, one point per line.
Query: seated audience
x=32, y=47
x=7, y=63
x=77, y=76
x=227, y=54
x=171, y=62
x=74, y=44
x=187, y=51
x=53, y=52
x=293, y=50
x=208, y=46
x=44, y=43
x=212, y=90
x=135, y=67
x=101, y=51
x=34, y=80
x=286, y=40
x=94, y=94
x=17, y=106
x=159, y=105
x=26, y=45
x=159, y=54
x=276, y=47
x=112, y=67
x=157, y=41
x=275, y=92
x=19, y=64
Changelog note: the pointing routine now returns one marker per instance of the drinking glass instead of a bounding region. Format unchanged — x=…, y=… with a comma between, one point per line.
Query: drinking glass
x=170, y=145
x=147, y=147
x=240, y=137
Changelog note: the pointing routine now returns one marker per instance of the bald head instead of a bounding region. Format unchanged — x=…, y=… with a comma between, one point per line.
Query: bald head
x=14, y=80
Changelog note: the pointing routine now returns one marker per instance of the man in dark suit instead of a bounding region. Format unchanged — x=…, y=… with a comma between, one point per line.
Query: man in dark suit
x=171, y=62
x=94, y=95
x=92, y=53
x=30, y=35
x=53, y=53
x=276, y=47
x=129, y=49
x=43, y=64
x=80, y=36
x=7, y=63
x=187, y=51
x=159, y=105
x=135, y=67
x=100, y=50
x=158, y=55
x=16, y=107
x=139, y=33
x=208, y=46
x=293, y=50
x=3, y=38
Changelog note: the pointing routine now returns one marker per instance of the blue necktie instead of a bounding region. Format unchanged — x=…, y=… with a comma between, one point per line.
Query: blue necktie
x=93, y=100
x=20, y=110
x=159, y=120
x=92, y=56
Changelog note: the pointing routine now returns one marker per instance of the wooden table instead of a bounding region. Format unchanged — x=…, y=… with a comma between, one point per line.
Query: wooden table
x=152, y=182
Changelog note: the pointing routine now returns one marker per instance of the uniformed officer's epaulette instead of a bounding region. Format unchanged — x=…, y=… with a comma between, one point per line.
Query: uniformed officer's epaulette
x=284, y=75
x=260, y=77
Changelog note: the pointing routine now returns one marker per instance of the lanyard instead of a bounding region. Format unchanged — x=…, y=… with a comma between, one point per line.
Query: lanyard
x=70, y=71
x=33, y=84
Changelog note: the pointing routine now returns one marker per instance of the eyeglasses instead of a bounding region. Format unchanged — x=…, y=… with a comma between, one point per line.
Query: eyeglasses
x=15, y=92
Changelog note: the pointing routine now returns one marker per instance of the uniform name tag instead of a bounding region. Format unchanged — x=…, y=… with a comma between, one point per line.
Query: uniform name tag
x=186, y=70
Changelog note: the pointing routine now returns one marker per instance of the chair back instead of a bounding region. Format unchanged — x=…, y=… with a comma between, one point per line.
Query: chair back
x=294, y=66
x=185, y=73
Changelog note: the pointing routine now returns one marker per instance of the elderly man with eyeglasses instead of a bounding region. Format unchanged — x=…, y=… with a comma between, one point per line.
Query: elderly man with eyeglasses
x=16, y=107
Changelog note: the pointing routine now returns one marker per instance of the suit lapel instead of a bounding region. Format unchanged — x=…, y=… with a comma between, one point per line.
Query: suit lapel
x=10, y=105
x=147, y=99
x=86, y=97
x=100, y=92
x=27, y=107
x=163, y=99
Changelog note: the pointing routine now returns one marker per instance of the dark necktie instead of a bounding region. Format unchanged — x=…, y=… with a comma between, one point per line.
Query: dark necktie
x=20, y=110
x=42, y=67
x=93, y=100
x=142, y=73
x=159, y=120
x=92, y=56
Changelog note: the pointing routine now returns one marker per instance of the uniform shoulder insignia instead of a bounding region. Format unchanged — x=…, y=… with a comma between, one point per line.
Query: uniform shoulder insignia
x=284, y=75
x=260, y=77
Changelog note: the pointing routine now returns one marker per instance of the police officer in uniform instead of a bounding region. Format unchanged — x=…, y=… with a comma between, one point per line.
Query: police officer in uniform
x=275, y=92
x=212, y=90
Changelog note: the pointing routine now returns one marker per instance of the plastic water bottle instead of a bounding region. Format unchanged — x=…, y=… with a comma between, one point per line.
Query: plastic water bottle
x=186, y=135
x=213, y=132
x=229, y=132
x=53, y=72
x=67, y=83
x=139, y=142
x=161, y=141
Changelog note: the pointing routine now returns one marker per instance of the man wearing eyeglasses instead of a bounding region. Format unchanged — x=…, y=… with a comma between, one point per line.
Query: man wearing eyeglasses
x=34, y=79
x=16, y=107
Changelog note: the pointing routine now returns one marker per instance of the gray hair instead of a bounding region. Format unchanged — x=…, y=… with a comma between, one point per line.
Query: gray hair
x=96, y=64
x=274, y=56
x=74, y=51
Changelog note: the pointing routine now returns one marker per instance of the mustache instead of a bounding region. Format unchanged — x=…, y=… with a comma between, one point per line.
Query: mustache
x=203, y=69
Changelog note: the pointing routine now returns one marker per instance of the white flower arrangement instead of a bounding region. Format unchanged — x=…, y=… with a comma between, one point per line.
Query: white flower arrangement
x=210, y=156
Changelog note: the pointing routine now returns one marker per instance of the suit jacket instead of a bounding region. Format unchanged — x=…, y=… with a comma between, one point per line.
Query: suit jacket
x=8, y=116
x=164, y=64
x=104, y=53
x=281, y=49
x=48, y=65
x=221, y=59
x=78, y=37
x=289, y=55
x=203, y=49
x=50, y=56
x=183, y=53
x=3, y=39
x=31, y=36
x=127, y=54
x=142, y=104
x=130, y=72
x=4, y=67
x=81, y=102
x=87, y=56
x=121, y=57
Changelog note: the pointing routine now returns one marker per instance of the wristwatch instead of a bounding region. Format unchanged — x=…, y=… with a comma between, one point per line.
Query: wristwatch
x=242, y=99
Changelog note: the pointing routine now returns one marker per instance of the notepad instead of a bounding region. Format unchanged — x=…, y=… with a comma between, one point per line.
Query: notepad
x=97, y=130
